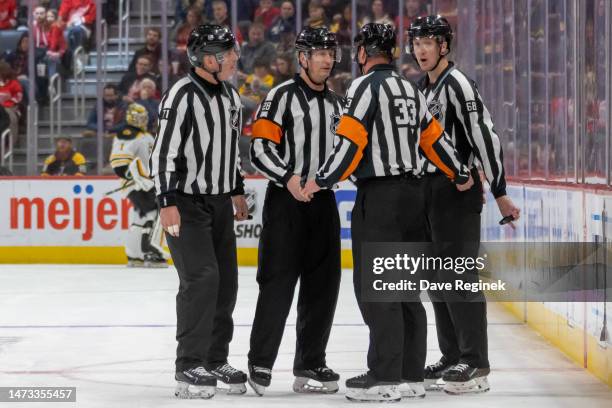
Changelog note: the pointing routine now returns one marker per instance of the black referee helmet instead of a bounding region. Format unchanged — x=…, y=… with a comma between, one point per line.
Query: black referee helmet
x=210, y=39
x=376, y=39
x=319, y=38
x=434, y=26
x=311, y=38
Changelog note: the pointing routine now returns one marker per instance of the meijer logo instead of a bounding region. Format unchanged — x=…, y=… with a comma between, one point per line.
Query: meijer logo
x=79, y=213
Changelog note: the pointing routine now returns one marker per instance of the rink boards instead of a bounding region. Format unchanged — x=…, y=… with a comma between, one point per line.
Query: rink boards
x=71, y=220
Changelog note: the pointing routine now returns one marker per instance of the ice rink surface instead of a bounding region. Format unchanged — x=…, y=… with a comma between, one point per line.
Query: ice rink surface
x=109, y=331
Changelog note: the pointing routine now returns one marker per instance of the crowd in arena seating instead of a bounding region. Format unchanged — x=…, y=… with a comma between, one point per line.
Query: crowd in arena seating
x=266, y=31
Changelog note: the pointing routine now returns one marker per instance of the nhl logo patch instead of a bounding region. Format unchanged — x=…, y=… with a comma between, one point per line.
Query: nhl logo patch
x=435, y=108
x=335, y=120
x=234, y=117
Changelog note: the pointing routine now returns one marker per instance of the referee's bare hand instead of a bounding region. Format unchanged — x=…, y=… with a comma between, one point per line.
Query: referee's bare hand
x=507, y=207
x=467, y=185
x=241, y=207
x=294, y=187
x=170, y=220
x=310, y=189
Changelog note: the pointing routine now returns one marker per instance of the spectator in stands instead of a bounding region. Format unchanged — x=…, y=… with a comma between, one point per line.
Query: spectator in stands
x=149, y=98
x=221, y=17
x=180, y=11
x=57, y=46
x=266, y=13
x=152, y=48
x=181, y=35
x=8, y=14
x=257, y=85
x=342, y=26
x=256, y=48
x=18, y=61
x=412, y=10
x=65, y=161
x=130, y=83
x=50, y=48
x=316, y=15
x=11, y=95
x=246, y=11
x=220, y=14
x=284, y=24
x=333, y=8
x=285, y=69
x=378, y=14
x=112, y=112
x=40, y=27
x=78, y=18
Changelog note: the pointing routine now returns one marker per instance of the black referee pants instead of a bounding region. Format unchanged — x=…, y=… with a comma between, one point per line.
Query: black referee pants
x=298, y=241
x=454, y=217
x=204, y=254
x=391, y=209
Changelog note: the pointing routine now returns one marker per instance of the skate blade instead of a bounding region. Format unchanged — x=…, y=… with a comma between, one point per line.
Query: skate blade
x=374, y=394
x=411, y=392
x=190, y=391
x=474, y=386
x=155, y=265
x=434, y=385
x=232, y=389
x=259, y=389
x=301, y=385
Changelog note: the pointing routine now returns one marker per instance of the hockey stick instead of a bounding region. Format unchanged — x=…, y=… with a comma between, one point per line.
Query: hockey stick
x=130, y=184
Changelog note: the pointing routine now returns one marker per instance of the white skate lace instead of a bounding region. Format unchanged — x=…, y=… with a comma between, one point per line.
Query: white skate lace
x=460, y=367
x=227, y=369
x=323, y=371
x=435, y=366
x=264, y=370
x=201, y=371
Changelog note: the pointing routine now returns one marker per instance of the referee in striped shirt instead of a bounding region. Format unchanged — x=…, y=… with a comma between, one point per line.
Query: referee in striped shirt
x=194, y=164
x=292, y=137
x=461, y=317
x=384, y=126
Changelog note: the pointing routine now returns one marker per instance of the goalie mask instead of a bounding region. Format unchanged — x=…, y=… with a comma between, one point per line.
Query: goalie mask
x=137, y=116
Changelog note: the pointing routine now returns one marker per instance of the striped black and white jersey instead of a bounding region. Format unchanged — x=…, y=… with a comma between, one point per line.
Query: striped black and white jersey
x=294, y=131
x=196, y=148
x=384, y=129
x=455, y=101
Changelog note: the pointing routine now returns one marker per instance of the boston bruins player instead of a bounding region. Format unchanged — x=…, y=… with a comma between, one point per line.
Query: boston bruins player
x=129, y=159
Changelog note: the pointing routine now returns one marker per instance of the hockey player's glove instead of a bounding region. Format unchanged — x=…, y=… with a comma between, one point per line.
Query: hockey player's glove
x=137, y=172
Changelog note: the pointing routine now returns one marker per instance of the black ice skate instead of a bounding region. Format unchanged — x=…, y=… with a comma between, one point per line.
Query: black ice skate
x=155, y=260
x=259, y=378
x=230, y=376
x=326, y=378
x=464, y=379
x=365, y=388
x=433, y=374
x=195, y=383
x=410, y=389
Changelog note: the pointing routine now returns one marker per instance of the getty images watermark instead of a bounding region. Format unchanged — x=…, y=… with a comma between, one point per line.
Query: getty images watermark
x=474, y=272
